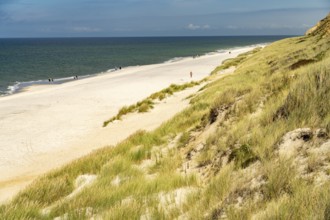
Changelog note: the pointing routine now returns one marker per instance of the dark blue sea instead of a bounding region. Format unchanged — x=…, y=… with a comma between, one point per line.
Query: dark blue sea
x=25, y=62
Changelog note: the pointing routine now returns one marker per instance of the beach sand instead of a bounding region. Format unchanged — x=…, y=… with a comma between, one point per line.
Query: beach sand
x=48, y=126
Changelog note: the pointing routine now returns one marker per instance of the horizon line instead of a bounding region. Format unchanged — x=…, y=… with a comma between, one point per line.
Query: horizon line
x=157, y=36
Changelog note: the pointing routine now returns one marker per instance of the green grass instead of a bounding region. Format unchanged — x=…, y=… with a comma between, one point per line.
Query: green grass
x=148, y=103
x=288, y=99
x=264, y=99
x=184, y=139
x=233, y=62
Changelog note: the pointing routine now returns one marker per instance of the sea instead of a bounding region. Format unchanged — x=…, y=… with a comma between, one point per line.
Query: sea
x=31, y=61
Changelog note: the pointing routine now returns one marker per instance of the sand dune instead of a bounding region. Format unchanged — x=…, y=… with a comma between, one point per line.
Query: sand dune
x=48, y=126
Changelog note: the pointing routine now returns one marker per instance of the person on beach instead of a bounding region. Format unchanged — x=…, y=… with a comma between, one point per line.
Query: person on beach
x=191, y=74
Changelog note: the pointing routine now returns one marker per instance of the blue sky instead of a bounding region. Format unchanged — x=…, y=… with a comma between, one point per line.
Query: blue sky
x=106, y=18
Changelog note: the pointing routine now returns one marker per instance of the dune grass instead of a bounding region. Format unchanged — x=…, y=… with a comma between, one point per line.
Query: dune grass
x=148, y=103
x=233, y=62
x=288, y=99
x=268, y=95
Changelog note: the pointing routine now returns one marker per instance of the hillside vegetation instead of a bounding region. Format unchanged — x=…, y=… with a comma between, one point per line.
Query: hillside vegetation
x=252, y=145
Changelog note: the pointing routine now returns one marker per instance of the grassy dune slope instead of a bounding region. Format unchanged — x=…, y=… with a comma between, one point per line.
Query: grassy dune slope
x=252, y=145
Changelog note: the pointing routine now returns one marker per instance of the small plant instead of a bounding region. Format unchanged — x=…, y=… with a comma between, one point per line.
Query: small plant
x=243, y=156
x=281, y=176
x=313, y=163
x=144, y=107
x=184, y=139
x=161, y=96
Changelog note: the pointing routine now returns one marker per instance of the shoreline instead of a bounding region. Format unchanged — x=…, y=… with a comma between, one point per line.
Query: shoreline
x=24, y=86
x=45, y=128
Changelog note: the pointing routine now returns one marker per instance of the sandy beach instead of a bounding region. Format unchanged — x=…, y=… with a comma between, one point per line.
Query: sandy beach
x=48, y=126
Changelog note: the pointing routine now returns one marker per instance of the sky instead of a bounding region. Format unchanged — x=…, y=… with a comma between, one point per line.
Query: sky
x=116, y=18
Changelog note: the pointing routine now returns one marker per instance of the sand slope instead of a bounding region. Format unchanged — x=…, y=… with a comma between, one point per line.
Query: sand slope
x=46, y=127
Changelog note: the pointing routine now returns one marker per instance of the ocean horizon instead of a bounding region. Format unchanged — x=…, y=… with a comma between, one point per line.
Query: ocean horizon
x=31, y=61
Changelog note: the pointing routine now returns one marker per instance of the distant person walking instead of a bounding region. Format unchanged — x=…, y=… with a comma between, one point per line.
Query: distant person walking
x=191, y=74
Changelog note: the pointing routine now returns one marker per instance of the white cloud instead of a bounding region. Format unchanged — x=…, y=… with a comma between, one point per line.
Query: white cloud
x=86, y=29
x=232, y=27
x=194, y=27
